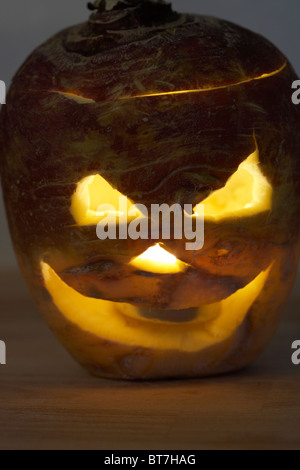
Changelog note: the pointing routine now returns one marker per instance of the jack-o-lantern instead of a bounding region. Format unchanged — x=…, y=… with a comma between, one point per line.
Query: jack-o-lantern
x=162, y=108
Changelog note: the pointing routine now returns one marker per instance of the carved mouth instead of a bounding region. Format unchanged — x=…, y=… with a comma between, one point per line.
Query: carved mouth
x=185, y=329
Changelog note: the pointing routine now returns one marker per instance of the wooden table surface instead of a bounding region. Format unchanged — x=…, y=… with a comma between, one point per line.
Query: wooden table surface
x=48, y=402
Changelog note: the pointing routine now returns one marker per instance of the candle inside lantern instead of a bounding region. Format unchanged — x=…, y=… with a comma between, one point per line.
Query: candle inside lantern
x=158, y=260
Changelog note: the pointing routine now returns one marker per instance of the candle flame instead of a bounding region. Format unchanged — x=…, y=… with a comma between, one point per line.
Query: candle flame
x=158, y=260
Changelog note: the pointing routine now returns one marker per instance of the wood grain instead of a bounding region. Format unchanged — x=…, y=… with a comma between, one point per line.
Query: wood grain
x=48, y=402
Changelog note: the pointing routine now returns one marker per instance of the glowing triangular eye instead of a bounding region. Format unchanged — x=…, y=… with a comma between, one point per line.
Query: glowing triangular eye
x=247, y=192
x=94, y=198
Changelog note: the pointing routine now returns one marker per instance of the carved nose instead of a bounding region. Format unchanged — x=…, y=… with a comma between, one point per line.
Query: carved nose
x=157, y=260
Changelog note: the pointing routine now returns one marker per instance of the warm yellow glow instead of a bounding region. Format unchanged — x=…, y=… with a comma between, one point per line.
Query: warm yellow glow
x=247, y=192
x=199, y=90
x=93, y=191
x=158, y=260
x=74, y=96
x=121, y=323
